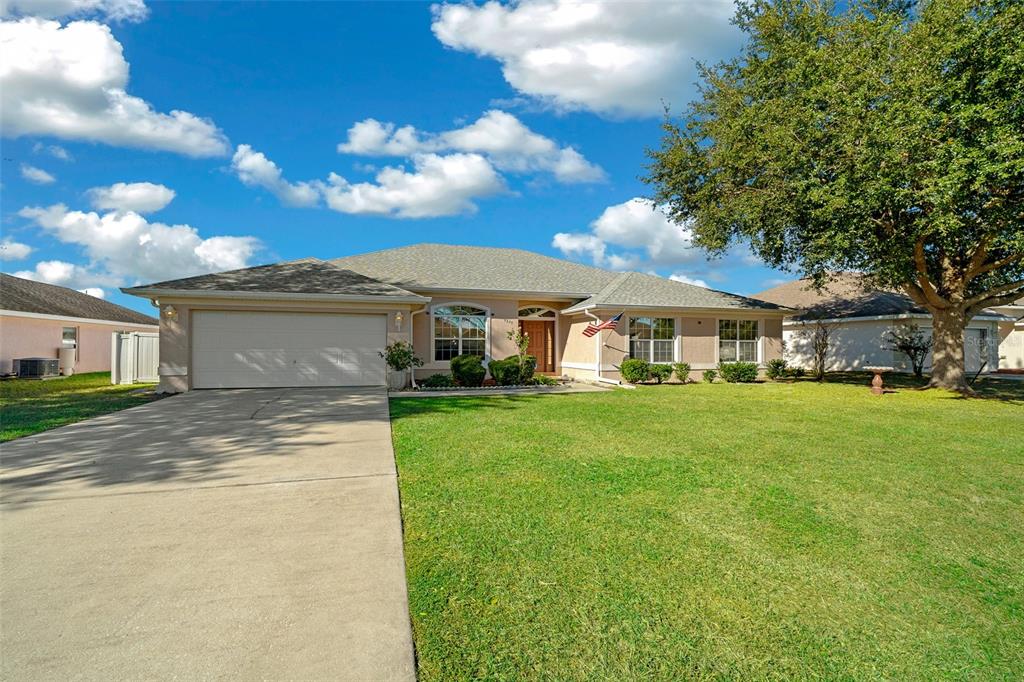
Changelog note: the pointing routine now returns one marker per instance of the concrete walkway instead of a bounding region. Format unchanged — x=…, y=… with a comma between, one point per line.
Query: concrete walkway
x=218, y=534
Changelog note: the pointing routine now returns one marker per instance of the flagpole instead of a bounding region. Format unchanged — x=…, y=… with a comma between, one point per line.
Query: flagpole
x=597, y=340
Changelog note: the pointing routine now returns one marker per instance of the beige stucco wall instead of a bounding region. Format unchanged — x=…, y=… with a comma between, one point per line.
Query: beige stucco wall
x=175, y=335
x=696, y=342
x=1011, y=345
x=503, y=316
x=27, y=337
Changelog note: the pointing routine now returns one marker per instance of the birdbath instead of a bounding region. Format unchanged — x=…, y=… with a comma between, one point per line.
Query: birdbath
x=877, y=383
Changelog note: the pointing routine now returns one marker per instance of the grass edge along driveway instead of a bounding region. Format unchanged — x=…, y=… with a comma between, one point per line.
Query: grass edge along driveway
x=29, y=406
x=715, y=531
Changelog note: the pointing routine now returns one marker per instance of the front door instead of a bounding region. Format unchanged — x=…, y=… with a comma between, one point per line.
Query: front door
x=542, y=342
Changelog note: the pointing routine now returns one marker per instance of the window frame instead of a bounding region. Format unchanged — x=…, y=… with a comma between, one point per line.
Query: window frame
x=545, y=313
x=757, y=340
x=486, y=315
x=650, y=349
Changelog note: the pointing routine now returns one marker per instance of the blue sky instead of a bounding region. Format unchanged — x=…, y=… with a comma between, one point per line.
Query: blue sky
x=528, y=129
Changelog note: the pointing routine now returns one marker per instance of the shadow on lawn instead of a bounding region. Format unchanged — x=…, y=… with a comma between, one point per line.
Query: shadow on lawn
x=411, y=407
x=986, y=388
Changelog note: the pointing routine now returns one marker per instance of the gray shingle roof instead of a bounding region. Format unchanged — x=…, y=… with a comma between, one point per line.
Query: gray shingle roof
x=845, y=295
x=428, y=267
x=636, y=290
x=27, y=296
x=305, y=276
x=442, y=266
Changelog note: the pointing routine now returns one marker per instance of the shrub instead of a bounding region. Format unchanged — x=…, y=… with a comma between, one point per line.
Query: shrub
x=682, y=370
x=513, y=370
x=635, y=370
x=709, y=376
x=661, y=373
x=738, y=372
x=795, y=372
x=438, y=381
x=776, y=368
x=468, y=370
x=544, y=380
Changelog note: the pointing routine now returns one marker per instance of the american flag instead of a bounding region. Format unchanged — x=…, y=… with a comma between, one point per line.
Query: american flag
x=592, y=328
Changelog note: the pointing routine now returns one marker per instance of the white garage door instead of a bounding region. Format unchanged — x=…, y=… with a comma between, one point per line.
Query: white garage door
x=264, y=350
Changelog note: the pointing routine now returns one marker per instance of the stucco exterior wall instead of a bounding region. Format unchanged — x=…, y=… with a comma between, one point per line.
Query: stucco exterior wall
x=28, y=337
x=857, y=344
x=696, y=342
x=1011, y=345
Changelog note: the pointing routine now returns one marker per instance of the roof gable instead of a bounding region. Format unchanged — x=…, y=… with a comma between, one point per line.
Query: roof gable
x=28, y=296
x=638, y=289
x=304, y=276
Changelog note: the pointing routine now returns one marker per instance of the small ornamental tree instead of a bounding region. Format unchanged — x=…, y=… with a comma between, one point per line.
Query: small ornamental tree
x=913, y=342
x=400, y=357
x=819, y=337
x=882, y=136
x=527, y=363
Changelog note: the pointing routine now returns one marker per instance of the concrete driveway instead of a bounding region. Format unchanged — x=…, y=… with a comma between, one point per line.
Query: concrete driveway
x=216, y=534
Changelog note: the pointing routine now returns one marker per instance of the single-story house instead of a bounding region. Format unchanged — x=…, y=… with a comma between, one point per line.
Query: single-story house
x=860, y=319
x=1011, y=336
x=38, y=320
x=314, y=322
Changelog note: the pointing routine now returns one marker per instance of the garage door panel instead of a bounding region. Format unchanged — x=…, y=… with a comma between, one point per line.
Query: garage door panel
x=243, y=350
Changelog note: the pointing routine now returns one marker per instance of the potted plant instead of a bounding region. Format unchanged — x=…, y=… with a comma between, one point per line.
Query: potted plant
x=400, y=358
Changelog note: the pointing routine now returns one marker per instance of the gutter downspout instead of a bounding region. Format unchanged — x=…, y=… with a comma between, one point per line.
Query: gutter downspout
x=599, y=339
x=412, y=314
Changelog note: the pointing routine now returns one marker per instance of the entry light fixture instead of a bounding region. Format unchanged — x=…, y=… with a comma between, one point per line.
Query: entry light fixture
x=398, y=319
x=170, y=312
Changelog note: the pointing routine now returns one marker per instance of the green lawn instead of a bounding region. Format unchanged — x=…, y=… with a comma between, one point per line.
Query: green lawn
x=716, y=531
x=30, y=406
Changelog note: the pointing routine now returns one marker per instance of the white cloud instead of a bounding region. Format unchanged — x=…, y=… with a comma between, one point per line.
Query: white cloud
x=54, y=150
x=686, y=279
x=113, y=10
x=94, y=291
x=124, y=246
x=256, y=170
x=611, y=57
x=70, y=82
x=36, y=175
x=141, y=197
x=498, y=135
x=438, y=186
x=12, y=250
x=641, y=233
x=66, y=274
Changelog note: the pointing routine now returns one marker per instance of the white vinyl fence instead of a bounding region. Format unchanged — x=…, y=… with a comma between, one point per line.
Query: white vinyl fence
x=134, y=357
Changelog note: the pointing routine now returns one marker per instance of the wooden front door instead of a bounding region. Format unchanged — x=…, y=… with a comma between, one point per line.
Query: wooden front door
x=542, y=342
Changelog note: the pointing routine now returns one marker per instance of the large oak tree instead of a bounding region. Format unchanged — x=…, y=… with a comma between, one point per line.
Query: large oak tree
x=887, y=137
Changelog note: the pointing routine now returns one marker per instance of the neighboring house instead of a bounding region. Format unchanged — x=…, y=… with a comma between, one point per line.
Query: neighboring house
x=319, y=323
x=1011, y=336
x=37, y=320
x=861, y=318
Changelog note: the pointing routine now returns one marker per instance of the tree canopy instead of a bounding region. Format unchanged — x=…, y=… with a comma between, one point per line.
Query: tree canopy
x=886, y=138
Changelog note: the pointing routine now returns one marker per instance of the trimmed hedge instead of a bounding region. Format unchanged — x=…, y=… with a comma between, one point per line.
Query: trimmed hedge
x=438, y=381
x=776, y=368
x=738, y=372
x=682, y=370
x=660, y=373
x=507, y=372
x=468, y=370
x=635, y=370
x=709, y=376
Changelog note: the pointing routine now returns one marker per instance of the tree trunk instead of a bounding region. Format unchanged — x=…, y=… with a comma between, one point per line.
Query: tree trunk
x=948, y=351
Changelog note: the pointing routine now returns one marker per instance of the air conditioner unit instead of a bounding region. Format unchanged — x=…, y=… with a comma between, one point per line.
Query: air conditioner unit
x=36, y=368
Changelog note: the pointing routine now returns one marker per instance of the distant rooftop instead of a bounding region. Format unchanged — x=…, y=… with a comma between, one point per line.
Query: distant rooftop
x=846, y=294
x=28, y=296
